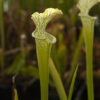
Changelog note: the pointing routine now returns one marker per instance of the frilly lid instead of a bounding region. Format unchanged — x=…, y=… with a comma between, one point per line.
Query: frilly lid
x=41, y=20
x=86, y=5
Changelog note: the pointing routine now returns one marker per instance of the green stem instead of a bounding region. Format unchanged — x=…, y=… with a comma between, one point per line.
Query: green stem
x=15, y=94
x=88, y=31
x=75, y=58
x=72, y=84
x=57, y=81
x=2, y=33
x=44, y=42
x=43, y=52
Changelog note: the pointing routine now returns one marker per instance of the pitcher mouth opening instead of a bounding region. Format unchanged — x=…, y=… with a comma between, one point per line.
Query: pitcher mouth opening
x=46, y=36
x=88, y=16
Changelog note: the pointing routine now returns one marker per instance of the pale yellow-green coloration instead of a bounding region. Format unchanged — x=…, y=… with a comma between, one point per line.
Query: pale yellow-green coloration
x=88, y=33
x=41, y=20
x=15, y=94
x=86, y=5
x=44, y=43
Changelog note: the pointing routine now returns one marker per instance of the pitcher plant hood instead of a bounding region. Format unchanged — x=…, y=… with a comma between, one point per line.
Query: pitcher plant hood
x=85, y=5
x=41, y=20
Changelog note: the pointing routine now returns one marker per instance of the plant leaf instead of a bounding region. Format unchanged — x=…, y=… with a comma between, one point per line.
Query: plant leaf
x=2, y=40
x=72, y=84
x=57, y=81
x=17, y=65
x=30, y=71
x=75, y=57
x=15, y=94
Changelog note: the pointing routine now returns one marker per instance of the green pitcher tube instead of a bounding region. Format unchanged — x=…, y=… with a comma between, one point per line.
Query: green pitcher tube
x=88, y=30
x=88, y=33
x=44, y=43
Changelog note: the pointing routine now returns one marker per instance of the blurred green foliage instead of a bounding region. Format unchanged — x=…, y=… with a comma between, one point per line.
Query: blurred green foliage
x=2, y=40
x=30, y=71
x=76, y=57
x=60, y=51
x=38, y=5
x=72, y=84
x=15, y=94
x=30, y=5
x=59, y=55
x=17, y=65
